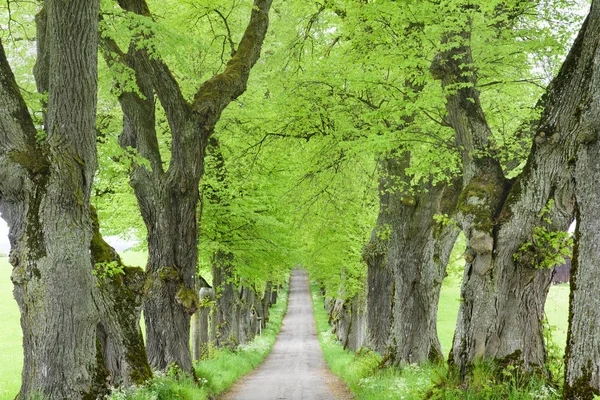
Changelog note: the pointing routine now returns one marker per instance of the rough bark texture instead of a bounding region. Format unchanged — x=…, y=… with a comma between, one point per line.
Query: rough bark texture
x=119, y=301
x=225, y=310
x=274, y=294
x=380, y=278
x=202, y=327
x=349, y=321
x=250, y=304
x=266, y=303
x=168, y=199
x=413, y=254
x=236, y=316
x=582, y=356
x=419, y=253
x=44, y=196
x=503, y=291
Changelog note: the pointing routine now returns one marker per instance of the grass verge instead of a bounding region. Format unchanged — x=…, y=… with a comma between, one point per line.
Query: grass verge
x=362, y=373
x=11, y=337
x=361, y=370
x=217, y=373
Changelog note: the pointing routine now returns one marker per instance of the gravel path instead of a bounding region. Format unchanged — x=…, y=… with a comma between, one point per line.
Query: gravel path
x=295, y=369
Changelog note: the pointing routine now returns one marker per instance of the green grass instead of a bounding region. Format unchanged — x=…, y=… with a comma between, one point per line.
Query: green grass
x=11, y=350
x=223, y=367
x=369, y=382
x=557, y=313
x=447, y=314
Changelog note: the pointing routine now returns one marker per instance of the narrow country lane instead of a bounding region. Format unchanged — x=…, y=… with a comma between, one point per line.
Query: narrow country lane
x=295, y=369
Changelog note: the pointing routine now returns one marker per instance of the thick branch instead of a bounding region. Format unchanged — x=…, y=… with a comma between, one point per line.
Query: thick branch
x=165, y=84
x=465, y=114
x=216, y=93
x=42, y=63
x=139, y=129
x=17, y=131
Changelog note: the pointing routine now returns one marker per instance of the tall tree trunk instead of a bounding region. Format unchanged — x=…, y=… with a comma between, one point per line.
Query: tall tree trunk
x=417, y=253
x=170, y=298
x=582, y=355
x=380, y=294
x=380, y=274
x=168, y=199
x=348, y=320
x=419, y=258
x=201, y=331
x=248, y=318
x=266, y=303
x=226, y=296
x=511, y=228
x=44, y=196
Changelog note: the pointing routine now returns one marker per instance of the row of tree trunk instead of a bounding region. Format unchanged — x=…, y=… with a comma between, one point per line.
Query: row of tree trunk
x=348, y=319
x=511, y=227
x=229, y=313
x=79, y=305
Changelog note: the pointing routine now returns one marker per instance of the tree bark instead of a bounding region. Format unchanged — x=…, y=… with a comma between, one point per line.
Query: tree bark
x=168, y=199
x=380, y=274
x=275, y=294
x=119, y=301
x=416, y=253
x=582, y=356
x=226, y=318
x=201, y=332
x=45, y=191
x=266, y=303
x=504, y=290
x=248, y=314
x=348, y=319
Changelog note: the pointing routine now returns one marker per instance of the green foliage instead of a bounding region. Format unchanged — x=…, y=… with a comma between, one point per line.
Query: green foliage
x=384, y=232
x=555, y=363
x=548, y=248
x=244, y=213
x=105, y=270
x=338, y=85
x=444, y=220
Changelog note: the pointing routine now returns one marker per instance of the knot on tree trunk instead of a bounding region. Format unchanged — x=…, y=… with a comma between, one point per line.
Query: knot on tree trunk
x=188, y=299
x=374, y=250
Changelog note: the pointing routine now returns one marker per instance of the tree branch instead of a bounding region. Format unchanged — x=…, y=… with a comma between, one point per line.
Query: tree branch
x=165, y=84
x=216, y=93
x=139, y=129
x=229, y=39
x=17, y=131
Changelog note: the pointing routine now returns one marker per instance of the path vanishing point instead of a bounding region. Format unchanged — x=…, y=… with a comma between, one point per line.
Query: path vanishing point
x=295, y=369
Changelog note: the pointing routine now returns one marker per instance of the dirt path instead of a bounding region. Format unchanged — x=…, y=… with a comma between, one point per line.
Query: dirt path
x=295, y=369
